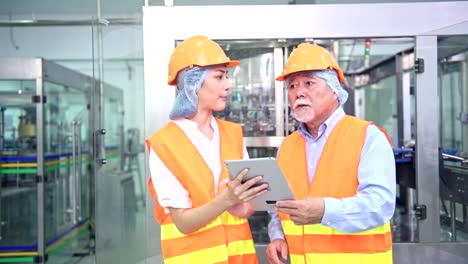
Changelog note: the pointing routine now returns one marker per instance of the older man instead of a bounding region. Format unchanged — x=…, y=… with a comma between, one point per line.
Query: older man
x=340, y=168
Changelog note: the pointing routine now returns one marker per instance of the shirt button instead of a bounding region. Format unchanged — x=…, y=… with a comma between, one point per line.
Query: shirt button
x=314, y=144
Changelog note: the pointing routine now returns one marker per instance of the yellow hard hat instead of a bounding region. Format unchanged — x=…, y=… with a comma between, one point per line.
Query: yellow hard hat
x=196, y=50
x=310, y=57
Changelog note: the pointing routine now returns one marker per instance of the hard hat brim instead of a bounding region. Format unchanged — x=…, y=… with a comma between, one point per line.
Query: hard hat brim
x=233, y=63
x=229, y=64
x=339, y=73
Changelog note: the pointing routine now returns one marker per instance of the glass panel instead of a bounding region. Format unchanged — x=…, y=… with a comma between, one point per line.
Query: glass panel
x=109, y=188
x=121, y=186
x=453, y=90
x=18, y=170
x=113, y=122
x=66, y=146
x=18, y=87
x=383, y=93
x=251, y=101
x=381, y=105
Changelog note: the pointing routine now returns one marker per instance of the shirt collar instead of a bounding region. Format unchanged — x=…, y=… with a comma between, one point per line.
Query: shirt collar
x=325, y=128
x=193, y=126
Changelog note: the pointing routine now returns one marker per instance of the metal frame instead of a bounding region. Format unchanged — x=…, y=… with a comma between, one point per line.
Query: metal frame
x=427, y=139
x=424, y=21
x=400, y=97
x=41, y=71
x=465, y=100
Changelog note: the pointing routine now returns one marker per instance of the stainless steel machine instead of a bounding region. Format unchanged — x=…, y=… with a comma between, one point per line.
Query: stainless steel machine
x=402, y=83
x=47, y=155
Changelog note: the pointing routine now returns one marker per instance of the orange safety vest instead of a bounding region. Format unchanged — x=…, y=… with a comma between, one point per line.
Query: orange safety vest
x=336, y=176
x=226, y=239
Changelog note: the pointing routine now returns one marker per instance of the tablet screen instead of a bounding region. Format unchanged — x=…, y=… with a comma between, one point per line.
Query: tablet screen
x=278, y=187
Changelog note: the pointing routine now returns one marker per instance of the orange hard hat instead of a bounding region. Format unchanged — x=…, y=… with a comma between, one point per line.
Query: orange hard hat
x=196, y=50
x=310, y=57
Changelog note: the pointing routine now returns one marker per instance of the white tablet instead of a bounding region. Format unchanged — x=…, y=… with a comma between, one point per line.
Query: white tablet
x=278, y=187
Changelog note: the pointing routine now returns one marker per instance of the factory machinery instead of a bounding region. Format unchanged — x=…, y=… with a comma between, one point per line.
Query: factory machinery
x=50, y=144
x=381, y=90
x=65, y=181
x=404, y=71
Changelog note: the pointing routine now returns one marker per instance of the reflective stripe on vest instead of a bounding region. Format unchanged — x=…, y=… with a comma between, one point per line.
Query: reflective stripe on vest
x=323, y=239
x=227, y=239
x=318, y=243
x=355, y=258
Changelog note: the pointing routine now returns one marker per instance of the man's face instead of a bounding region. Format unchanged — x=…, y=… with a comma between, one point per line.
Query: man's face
x=310, y=97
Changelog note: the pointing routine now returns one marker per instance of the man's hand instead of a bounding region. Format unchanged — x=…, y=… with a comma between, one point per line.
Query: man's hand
x=303, y=212
x=277, y=252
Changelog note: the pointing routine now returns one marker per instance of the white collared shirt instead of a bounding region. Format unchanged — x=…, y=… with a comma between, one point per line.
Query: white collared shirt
x=170, y=191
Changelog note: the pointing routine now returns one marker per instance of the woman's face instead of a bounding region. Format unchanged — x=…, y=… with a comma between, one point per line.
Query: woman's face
x=214, y=91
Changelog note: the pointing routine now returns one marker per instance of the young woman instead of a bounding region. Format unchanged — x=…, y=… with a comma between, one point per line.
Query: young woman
x=203, y=214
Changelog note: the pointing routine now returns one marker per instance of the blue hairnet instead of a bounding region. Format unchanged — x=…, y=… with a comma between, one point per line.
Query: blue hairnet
x=189, y=81
x=332, y=80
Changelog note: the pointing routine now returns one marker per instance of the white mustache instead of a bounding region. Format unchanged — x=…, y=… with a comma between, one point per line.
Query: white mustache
x=302, y=101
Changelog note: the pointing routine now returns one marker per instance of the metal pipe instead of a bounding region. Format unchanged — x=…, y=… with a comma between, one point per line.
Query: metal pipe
x=123, y=152
x=72, y=182
x=464, y=85
x=41, y=245
x=453, y=222
x=101, y=152
x=400, y=100
x=62, y=180
x=453, y=157
x=279, y=93
x=80, y=22
x=412, y=220
x=78, y=170
x=286, y=115
x=2, y=129
x=442, y=96
x=2, y=135
x=335, y=46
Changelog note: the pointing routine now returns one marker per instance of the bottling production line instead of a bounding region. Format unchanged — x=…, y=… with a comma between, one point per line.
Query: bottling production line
x=49, y=137
x=400, y=77
x=69, y=165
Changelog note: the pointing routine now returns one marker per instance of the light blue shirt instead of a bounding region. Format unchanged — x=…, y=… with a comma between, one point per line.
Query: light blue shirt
x=374, y=203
